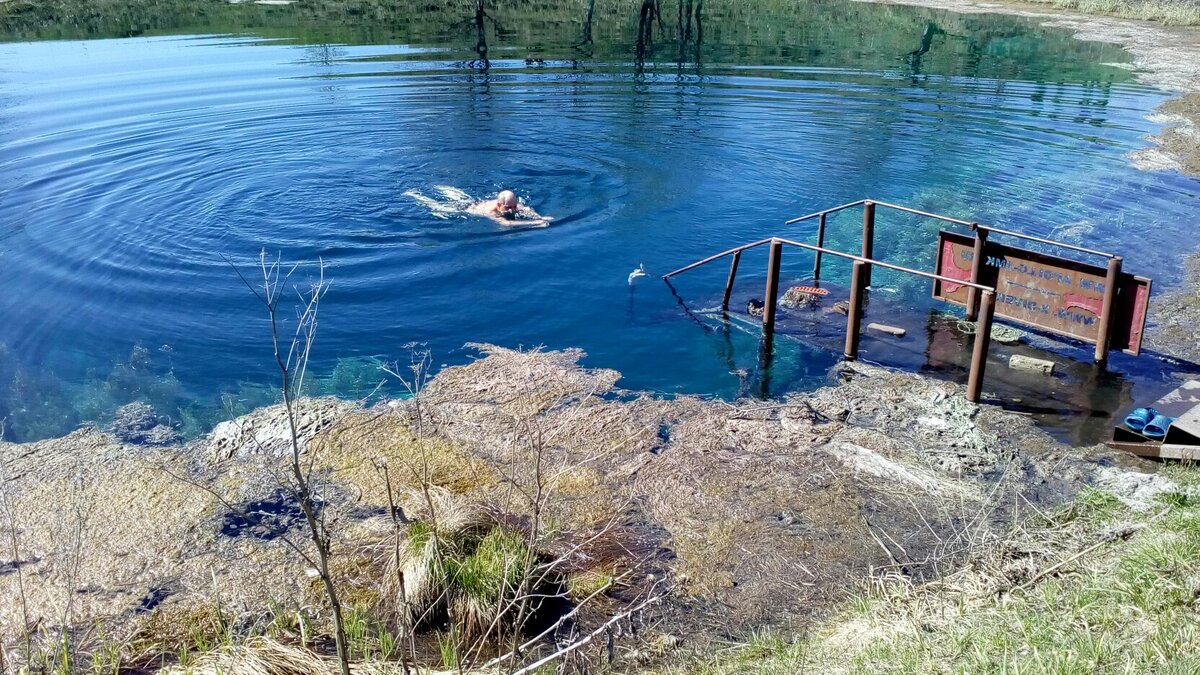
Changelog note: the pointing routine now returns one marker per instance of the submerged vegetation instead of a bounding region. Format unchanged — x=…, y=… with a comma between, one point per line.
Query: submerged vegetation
x=35, y=404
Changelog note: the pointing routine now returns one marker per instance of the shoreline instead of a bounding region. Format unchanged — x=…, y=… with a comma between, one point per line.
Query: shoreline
x=1163, y=56
x=820, y=477
x=721, y=505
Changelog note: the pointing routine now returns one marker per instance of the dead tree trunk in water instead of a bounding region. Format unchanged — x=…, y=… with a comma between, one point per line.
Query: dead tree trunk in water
x=645, y=39
x=481, y=47
x=689, y=21
x=587, y=24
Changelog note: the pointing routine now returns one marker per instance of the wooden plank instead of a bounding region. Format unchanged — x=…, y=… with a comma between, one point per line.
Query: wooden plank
x=1172, y=451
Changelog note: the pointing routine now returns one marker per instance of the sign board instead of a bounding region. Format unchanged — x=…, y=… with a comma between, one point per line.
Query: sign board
x=1053, y=294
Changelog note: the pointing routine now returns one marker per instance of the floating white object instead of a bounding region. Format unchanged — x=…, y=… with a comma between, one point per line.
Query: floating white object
x=639, y=272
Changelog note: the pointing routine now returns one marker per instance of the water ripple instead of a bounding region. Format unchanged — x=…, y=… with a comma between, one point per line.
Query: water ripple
x=124, y=186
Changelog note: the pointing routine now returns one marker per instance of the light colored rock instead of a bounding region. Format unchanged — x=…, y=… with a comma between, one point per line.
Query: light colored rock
x=1030, y=364
x=884, y=328
x=267, y=431
x=1136, y=489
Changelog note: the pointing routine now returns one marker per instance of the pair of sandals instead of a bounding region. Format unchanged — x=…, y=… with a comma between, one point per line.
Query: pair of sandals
x=1148, y=422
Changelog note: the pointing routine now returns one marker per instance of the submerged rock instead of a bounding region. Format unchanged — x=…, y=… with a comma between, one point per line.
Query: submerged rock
x=802, y=296
x=137, y=423
x=267, y=431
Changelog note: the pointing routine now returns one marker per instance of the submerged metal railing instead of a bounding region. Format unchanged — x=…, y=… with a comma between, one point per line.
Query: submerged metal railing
x=860, y=279
x=981, y=299
x=1113, y=272
x=980, y=304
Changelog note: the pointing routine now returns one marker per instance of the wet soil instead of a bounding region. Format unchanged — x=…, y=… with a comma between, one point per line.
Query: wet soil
x=1176, y=329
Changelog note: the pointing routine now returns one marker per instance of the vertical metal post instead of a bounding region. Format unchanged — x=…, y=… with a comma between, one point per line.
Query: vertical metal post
x=983, y=341
x=1106, y=311
x=821, y=244
x=868, y=242
x=976, y=274
x=732, y=275
x=858, y=285
x=772, y=292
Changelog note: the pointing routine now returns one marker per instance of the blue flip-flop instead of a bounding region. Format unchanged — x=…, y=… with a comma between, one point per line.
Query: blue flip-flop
x=1139, y=418
x=1157, y=427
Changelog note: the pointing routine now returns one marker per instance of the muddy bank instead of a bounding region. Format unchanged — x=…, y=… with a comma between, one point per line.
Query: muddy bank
x=1177, y=317
x=744, y=514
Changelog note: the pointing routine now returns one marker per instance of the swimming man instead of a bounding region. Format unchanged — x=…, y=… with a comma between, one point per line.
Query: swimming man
x=506, y=209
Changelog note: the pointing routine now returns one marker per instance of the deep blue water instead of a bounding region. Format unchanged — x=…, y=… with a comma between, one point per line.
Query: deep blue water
x=129, y=168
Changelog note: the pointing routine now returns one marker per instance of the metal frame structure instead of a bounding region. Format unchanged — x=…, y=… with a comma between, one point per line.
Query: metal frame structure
x=982, y=232
x=981, y=305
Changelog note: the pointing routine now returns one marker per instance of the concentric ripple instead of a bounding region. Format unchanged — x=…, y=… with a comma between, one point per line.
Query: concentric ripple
x=133, y=171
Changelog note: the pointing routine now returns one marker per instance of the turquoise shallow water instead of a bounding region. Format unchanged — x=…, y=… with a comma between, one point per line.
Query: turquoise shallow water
x=130, y=166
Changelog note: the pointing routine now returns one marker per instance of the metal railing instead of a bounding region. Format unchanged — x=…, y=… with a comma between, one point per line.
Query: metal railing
x=981, y=300
x=858, y=287
x=1113, y=262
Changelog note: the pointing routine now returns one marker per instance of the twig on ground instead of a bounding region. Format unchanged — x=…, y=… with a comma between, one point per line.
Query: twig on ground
x=590, y=636
x=1124, y=533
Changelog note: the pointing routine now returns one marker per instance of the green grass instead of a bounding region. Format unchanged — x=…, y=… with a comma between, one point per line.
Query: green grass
x=1129, y=605
x=494, y=569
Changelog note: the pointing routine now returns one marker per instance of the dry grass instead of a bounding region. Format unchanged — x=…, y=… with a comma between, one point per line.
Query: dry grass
x=92, y=517
x=358, y=446
x=1097, y=587
x=262, y=656
x=708, y=556
x=748, y=507
x=516, y=383
x=1167, y=12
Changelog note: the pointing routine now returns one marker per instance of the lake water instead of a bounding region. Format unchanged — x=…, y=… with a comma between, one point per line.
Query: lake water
x=138, y=151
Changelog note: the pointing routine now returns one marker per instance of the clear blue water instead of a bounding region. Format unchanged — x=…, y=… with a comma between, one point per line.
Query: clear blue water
x=129, y=167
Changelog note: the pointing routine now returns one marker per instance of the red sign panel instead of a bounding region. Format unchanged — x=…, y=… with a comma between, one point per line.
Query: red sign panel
x=1054, y=294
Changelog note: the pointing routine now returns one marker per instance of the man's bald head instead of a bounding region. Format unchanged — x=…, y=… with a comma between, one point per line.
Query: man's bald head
x=507, y=201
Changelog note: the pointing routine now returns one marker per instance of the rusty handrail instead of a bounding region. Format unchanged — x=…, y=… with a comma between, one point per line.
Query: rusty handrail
x=948, y=219
x=826, y=212
x=898, y=268
x=957, y=221
x=858, y=287
x=840, y=254
x=722, y=254
x=1029, y=237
